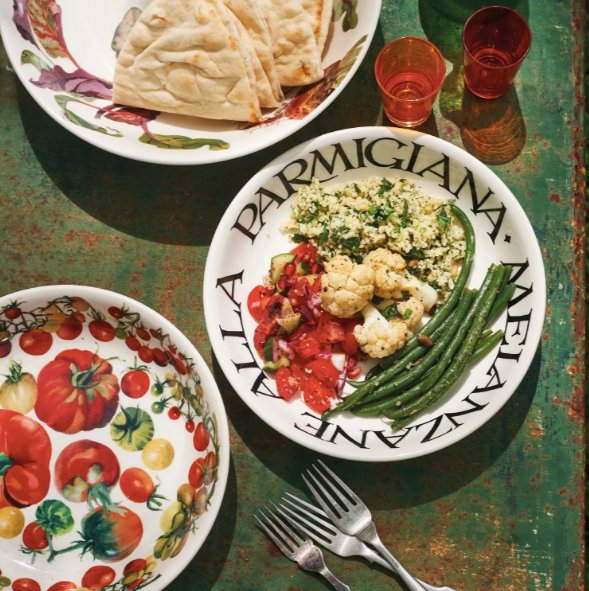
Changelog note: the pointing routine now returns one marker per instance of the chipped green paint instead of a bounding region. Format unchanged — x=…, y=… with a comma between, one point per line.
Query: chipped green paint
x=502, y=510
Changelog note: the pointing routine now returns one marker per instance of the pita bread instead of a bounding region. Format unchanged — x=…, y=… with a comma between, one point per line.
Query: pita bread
x=319, y=12
x=296, y=54
x=248, y=14
x=188, y=57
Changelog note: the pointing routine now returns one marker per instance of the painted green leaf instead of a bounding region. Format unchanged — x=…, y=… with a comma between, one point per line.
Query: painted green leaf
x=54, y=517
x=29, y=57
x=347, y=8
x=180, y=142
x=62, y=100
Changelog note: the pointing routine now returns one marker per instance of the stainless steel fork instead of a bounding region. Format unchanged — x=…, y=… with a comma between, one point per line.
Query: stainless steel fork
x=349, y=513
x=297, y=549
x=314, y=522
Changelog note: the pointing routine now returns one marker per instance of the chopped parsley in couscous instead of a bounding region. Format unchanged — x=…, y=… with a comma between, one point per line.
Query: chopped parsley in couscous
x=359, y=217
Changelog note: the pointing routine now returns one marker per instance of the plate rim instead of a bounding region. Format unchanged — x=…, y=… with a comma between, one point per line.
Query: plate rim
x=320, y=141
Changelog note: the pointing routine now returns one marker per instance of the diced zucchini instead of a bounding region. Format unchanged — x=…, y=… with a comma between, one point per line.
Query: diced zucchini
x=290, y=322
x=278, y=263
x=282, y=361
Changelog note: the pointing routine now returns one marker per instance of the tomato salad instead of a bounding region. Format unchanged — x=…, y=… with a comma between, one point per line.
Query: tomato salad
x=308, y=351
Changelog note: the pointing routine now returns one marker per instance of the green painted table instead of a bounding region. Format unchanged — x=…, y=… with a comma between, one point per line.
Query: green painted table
x=500, y=510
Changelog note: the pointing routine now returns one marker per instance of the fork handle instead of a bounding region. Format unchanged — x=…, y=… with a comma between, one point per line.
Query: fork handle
x=372, y=556
x=333, y=580
x=370, y=536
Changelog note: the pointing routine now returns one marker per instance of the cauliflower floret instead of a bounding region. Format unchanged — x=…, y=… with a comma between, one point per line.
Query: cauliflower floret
x=411, y=312
x=346, y=287
x=379, y=337
x=389, y=270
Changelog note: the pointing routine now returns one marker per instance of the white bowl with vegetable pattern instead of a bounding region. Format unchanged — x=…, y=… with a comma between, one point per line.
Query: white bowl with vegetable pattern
x=114, y=446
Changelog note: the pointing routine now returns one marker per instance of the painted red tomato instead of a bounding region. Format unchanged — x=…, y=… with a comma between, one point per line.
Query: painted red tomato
x=111, y=534
x=25, y=584
x=201, y=437
x=101, y=330
x=34, y=537
x=77, y=391
x=159, y=356
x=35, y=341
x=135, y=383
x=135, y=566
x=202, y=471
x=63, y=586
x=97, y=577
x=25, y=451
x=137, y=485
x=196, y=473
x=84, y=469
x=70, y=328
x=5, y=344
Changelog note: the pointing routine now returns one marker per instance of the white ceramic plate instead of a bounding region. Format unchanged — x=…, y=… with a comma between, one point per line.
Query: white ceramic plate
x=114, y=443
x=61, y=51
x=249, y=235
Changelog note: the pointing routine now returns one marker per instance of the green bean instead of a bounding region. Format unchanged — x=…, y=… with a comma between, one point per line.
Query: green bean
x=485, y=344
x=450, y=303
x=384, y=406
x=502, y=300
x=462, y=357
x=432, y=357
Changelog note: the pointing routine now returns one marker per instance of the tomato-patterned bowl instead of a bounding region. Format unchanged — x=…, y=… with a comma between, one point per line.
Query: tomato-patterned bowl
x=114, y=444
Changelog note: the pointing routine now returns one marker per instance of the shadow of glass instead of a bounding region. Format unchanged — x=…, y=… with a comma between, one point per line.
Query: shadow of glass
x=179, y=205
x=392, y=485
x=206, y=567
x=493, y=131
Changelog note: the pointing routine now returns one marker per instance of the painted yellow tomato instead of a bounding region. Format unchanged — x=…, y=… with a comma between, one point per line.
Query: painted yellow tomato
x=158, y=454
x=12, y=522
x=18, y=392
x=173, y=516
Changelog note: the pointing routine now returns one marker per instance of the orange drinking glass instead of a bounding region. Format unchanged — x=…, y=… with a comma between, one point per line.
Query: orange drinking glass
x=496, y=40
x=409, y=72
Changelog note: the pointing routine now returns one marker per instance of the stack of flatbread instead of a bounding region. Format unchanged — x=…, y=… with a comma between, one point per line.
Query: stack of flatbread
x=220, y=59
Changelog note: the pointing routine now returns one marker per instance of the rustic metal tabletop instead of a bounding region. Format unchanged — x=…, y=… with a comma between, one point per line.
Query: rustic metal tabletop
x=502, y=509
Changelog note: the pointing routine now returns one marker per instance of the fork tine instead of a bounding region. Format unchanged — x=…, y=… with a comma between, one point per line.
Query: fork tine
x=311, y=528
x=289, y=539
x=270, y=532
x=315, y=487
x=295, y=537
x=343, y=486
x=302, y=505
x=334, y=500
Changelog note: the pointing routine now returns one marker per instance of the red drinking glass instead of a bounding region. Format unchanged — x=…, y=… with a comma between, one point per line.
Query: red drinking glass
x=409, y=72
x=496, y=40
